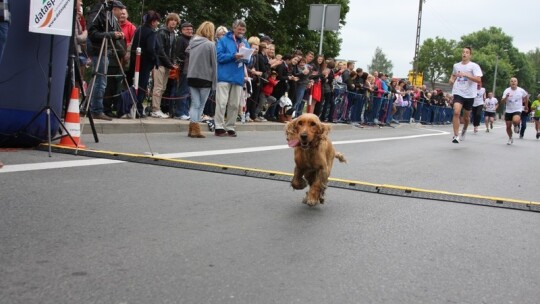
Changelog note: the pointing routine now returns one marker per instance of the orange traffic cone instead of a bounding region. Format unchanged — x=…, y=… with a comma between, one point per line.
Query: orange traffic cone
x=72, y=122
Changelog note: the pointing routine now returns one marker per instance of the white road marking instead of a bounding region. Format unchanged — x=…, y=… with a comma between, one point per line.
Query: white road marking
x=57, y=165
x=93, y=162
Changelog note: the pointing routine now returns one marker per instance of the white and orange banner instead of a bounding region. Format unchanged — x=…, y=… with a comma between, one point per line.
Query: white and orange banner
x=53, y=17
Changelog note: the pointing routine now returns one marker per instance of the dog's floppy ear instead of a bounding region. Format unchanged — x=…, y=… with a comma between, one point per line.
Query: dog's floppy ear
x=290, y=129
x=324, y=130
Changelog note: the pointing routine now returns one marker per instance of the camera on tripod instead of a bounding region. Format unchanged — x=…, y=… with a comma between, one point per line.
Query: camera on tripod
x=108, y=5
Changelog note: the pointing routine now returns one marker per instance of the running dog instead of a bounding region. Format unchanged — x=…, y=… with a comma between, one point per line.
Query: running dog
x=313, y=154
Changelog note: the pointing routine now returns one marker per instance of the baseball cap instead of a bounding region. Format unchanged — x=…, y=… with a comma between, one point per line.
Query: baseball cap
x=266, y=38
x=186, y=24
x=117, y=3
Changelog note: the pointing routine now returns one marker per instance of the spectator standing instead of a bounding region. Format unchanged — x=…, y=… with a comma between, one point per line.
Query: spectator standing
x=220, y=32
x=81, y=35
x=465, y=76
x=144, y=38
x=104, y=25
x=166, y=39
x=478, y=105
x=127, y=27
x=255, y=73
x=283, y=69
x=230, y=72
x=525, y=117
x=182, y=104
x=535, y=106
x=5, y=19
x=328, y=92
x=490, y=107
x=201, y=74
x=301, y=71
x=114, y=70
x=345, y=74
x=516, y=100
x=378, y=93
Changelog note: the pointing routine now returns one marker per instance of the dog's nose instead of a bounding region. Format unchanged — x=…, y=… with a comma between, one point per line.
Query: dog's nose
x=303, y=136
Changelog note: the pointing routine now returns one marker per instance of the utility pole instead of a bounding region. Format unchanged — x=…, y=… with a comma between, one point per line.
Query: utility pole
x=417, y=47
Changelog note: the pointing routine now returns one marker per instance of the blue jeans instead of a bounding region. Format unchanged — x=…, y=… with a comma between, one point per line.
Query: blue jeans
x=198, y=101
x=4, y=27
x=182, y=93
x=299, y=98
x=98, y=91
x=377, y=102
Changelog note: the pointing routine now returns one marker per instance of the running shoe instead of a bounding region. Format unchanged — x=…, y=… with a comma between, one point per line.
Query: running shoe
x=462, y=136
x=475, y=130
x=455, y=140
x=487, y=130
x=537, y=135
x=516, y=129
x=491, y=125
x=510, y=141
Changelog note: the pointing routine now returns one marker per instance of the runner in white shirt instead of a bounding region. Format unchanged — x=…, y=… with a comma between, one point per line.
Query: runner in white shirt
x=516, y=100
x=490, y=107
x=477, y=106
x=465, y=76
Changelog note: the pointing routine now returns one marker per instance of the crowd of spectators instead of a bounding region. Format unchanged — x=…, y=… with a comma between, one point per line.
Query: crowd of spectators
x=277, y=87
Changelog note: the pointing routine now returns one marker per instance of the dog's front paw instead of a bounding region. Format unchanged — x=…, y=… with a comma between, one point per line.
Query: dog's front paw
x=299, y=184
x=310, y=201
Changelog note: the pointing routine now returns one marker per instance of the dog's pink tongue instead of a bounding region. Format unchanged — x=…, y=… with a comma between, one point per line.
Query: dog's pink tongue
x=293, y=143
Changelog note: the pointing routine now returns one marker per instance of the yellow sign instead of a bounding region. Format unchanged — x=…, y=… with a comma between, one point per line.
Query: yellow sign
x=416, y=81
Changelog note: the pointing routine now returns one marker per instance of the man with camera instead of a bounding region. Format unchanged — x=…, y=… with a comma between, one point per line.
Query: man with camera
x=104, y=25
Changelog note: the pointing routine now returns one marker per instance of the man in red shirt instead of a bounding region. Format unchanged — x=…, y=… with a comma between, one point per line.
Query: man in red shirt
x=127, y=27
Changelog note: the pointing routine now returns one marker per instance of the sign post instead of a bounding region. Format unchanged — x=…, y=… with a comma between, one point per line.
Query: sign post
x=324, y=17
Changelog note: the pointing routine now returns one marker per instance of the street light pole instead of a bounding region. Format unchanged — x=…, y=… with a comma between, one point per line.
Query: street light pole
x=495, y=74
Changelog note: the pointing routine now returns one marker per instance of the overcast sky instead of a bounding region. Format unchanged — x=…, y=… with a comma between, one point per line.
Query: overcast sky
x=391, y=25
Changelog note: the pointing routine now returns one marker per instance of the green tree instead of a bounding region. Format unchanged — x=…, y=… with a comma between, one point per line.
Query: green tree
x=380, y=63
x=436, y=58
x=492, y=43
x=534, y=59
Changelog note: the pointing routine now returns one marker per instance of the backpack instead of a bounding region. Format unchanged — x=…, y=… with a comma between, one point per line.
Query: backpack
x=125, y=103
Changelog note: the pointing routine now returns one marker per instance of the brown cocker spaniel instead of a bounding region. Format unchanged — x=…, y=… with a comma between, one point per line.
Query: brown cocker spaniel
x=313, y=154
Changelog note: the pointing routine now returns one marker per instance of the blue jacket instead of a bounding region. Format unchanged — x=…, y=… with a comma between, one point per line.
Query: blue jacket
x=228, y=67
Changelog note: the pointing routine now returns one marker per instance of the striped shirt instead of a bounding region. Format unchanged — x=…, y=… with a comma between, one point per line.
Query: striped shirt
x=5, y=16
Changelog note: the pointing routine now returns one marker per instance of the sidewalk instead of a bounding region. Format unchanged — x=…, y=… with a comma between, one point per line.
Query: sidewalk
x=160, y=125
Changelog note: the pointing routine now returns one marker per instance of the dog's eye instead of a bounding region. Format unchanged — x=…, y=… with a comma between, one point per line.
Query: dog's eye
x=313, y=124
x=300, y=123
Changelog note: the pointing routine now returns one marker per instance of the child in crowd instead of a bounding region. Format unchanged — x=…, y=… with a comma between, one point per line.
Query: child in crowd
x=265, y=98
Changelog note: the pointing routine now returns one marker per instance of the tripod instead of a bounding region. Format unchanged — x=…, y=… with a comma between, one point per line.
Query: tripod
x=101, y=64
x=47, y=109
x=75, y=77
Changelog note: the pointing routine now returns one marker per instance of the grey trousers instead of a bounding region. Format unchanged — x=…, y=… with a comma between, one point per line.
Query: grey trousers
x=227, y=100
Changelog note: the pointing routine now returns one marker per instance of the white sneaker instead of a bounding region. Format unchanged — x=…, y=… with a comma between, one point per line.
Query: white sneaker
x=516, y=128
x=510, y=141
x=159, y=114
x=455, y=140
x=184, y=117
x=475, y=130
x=462, y=135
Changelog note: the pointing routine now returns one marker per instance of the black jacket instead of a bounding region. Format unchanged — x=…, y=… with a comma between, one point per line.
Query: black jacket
x=103, y=28
x=182, y=43
x=166, y=52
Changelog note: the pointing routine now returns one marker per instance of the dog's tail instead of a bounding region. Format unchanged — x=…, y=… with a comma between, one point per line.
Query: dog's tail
x=340, y=157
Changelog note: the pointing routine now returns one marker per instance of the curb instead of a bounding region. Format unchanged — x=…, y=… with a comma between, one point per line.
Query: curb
x=160, y=125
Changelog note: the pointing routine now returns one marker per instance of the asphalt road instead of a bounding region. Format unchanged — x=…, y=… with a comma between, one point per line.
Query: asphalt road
x=100, y=231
